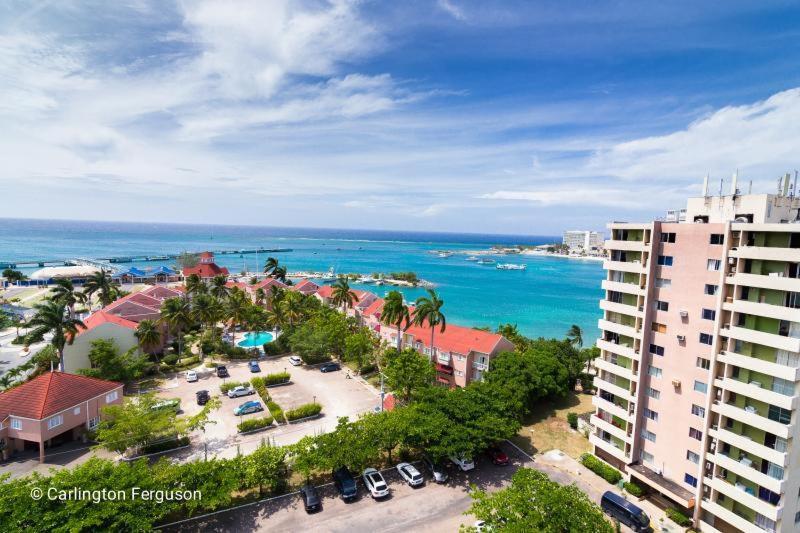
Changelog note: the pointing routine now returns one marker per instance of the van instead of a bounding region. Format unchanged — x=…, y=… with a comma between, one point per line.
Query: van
x=627, y=513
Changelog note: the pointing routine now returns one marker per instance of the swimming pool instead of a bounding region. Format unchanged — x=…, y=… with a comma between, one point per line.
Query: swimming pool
x=255, y=338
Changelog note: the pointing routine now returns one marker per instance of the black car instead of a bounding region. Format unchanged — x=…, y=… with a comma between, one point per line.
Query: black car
x=345, y=484
x=311, y=499
x=330, y=367
x=202, y=397
x=222, y=371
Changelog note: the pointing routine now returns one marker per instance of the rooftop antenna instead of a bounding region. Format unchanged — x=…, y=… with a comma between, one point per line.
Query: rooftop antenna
x=720, y=187
x=786, y=179
x=750, y=188
x=794, y=185
x=705, y=186
x=734, y=179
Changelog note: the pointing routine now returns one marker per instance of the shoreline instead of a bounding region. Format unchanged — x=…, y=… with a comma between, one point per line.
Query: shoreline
x=529, y=252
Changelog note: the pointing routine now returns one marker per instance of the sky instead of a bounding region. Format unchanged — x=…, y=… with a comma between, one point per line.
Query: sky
x=520, y=117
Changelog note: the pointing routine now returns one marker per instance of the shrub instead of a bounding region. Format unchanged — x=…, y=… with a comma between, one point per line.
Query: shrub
x=304, y=411
x=610, y=474
x=260, y=387
x=587, y=383
x=170, y=359
x=633, y=489
x=210, y=364
x=188, y=361
x=228, y=385
x=367, y=369
x=313, y=359
x=254, y=423
x=165, y=445
x=572, y=418
x=276, y=411
x=678, y=517
x=278, y=377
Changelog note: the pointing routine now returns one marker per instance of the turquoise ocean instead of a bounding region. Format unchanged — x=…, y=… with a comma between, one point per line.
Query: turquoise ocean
x=543, y=300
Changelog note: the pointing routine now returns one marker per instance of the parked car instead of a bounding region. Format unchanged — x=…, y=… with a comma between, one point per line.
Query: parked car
x=254, y=366
x=248, y=407
x=375, y=483
x=202, y=397
x=497, y=456
x=311, y=499
x=191, y=376
x=410, y=474
x=241, y=390
x=330, y=367
x=295, y=360
x=222, y=371
x=345, y=484
x=464, y=463
x=436, y=468
x=618, y=507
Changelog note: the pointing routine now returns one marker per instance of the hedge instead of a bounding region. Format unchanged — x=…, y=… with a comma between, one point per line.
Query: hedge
x=311, y=359
x=278, y=377
x=228, y=385
x=633, y=489
x=610, y=474
x=572, y=418
x=260, y=387
x=170, y=444
x=254, y=423
x=276, y=411
x=678, y=517
x=304, y=411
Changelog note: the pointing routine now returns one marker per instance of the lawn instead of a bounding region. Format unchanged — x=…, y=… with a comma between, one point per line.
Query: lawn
x=547, y=428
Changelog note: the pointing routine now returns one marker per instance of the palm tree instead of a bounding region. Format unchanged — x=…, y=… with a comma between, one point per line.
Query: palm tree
x=276, y=317
x=206, y=309
x=100, y=283
x=148, y=335
x=575, y=335
x=219, y=289
x=53, y=317
x=261, y=296
x=195, y=285
x=64, y=292
x=342, y=295
x=270, y=266
x=428, y=309
x=236, y=307
x=280, y=274
x=395, y=312
x=292, y=307
x=176, y=313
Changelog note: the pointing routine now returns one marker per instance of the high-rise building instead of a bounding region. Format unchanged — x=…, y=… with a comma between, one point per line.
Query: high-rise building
x=697, y=395
x=582, y=240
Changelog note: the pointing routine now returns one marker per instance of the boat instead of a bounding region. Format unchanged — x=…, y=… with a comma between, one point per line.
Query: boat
x=444, y=254
x=366, y=279
x=485, y=261
x=329, y=276
x=472, y=258
x=511, y=266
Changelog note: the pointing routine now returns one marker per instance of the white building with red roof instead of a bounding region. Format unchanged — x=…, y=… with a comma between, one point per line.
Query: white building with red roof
x=53, y=408
x=206, y=268
x=305, y=286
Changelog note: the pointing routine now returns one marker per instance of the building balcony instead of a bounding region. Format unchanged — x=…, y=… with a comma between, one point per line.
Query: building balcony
x=751, y=418
x=619, y=349
x=778, y=312
x=618, y=432
x=780, y=283
x=444, y=369
x=748, y=445
x=625, y=309
x=768, y=253
x=758, y=365
x=748, y=500
x=740, y=523
x=617, y=370
x=612, y=408
x=630, y=246
x=634, y=267
x=755, y=391
x=627, y=288
x=773, y=340
x=662, y=484
x=443, y=358
x=608, y=447
x=748, y=471
x=477, y=365
x=627, y=331
x=616, y=390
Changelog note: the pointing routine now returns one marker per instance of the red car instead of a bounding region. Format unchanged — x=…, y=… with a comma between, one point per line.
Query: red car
x=497, y=456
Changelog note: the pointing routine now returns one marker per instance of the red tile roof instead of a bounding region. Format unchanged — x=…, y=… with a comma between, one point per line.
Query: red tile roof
x=269, y=282
x=205, y=270
x=457, y=339
x=305, y=286
x=142, y=305
x=51, y=393
x=326, y=291
x=102, y=317
x=375, y=308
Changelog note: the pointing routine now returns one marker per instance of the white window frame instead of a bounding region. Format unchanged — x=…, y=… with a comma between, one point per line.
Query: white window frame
x=112, y=396
x=93, y=422
x=16, y=423
x=77, y=410
x=55, y=421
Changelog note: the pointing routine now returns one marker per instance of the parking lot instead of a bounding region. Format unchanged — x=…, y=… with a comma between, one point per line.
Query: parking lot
x=338, y=396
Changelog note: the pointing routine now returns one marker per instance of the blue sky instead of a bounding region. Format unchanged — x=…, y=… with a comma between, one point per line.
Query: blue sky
x=447, y=115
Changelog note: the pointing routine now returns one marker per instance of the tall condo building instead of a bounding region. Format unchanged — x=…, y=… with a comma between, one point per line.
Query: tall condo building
x=582, y=240
x=697, y=384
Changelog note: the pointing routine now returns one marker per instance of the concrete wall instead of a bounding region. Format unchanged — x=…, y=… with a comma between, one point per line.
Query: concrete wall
x=76, y=355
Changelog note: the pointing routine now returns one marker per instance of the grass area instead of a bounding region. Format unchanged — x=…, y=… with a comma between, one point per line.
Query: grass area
x=547, y=428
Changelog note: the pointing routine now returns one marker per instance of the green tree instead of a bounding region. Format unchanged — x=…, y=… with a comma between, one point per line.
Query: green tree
x=265, y=467
x=195, y=285
x=134, y=423
x=428, y=311
x=108, y=363
x=280, y=274
x=342, y=296
x=407, y=372
x=511, y=332
x=176, y=314
x=52, y=318
x=64, y=293
x=186, y=260
x=388, y=429
x=360, y=347
x=395, y=312
x=237, y=306
x=575, y=336
x=589, y=355
x=100, y=283
x=206, y=310
x=219, y=287
x=535, y=503
x=270, y=266
x=13, y=276
x=148, y=336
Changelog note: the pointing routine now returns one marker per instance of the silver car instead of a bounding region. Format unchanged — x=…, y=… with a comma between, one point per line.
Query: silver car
x=241, y=390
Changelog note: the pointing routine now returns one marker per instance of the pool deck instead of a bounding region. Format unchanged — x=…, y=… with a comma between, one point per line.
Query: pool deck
x=241, y=336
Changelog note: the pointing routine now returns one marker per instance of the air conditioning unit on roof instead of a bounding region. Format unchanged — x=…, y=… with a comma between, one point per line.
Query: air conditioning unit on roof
x=684, y=313
x=681, y=338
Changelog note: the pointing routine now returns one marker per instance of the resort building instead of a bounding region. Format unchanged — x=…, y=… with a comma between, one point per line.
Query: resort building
x=697, y=395
x=305, y=286
x=51, y=409
x=585, y=241
x=206, y=268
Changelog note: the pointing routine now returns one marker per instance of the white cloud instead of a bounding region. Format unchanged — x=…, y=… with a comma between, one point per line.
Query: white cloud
x=452, y=9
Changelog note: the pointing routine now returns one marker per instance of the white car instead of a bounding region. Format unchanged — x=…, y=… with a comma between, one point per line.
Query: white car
x=464, y=463
x=295, y=361
x=375, y=483
x=191, y=376
x=241, y=390
x=410, y=473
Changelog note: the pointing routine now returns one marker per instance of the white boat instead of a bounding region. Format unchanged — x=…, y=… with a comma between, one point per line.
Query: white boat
x=485, y=261
x=367, y=279
x=444, y=254
x=330, y=275
x=472, y=258
x=510, y=266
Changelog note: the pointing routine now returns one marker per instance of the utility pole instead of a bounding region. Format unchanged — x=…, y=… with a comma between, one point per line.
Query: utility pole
x=382, y=391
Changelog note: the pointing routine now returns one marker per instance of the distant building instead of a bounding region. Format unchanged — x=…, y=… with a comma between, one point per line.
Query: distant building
x=206, y=268
x=305, y=286
x=582, y=240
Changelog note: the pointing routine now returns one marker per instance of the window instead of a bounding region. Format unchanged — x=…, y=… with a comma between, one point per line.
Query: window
x=662, y=283
x=709, y=314
x=16, y=423
x=652, y=415
x=55, y=421
x=696, y=434
x=667, y=237
x=706, y=338
x=76, y=411
x=713, y=264
x=654, y=393
x=111, y=396
x=699, y=386
x=658, y=328
x=657, y=350
x=717, y=238
x=703, y=363
x=690, y=480
x=648, y=435
x=94, y=422
x=662, y=306
x=693, y=457
x=460, y=358
x=779, y=414
x=665, y=260
x=654, y=371
x=698, y=411
x=648, y=457
x=796, y=515
x=711, y=290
